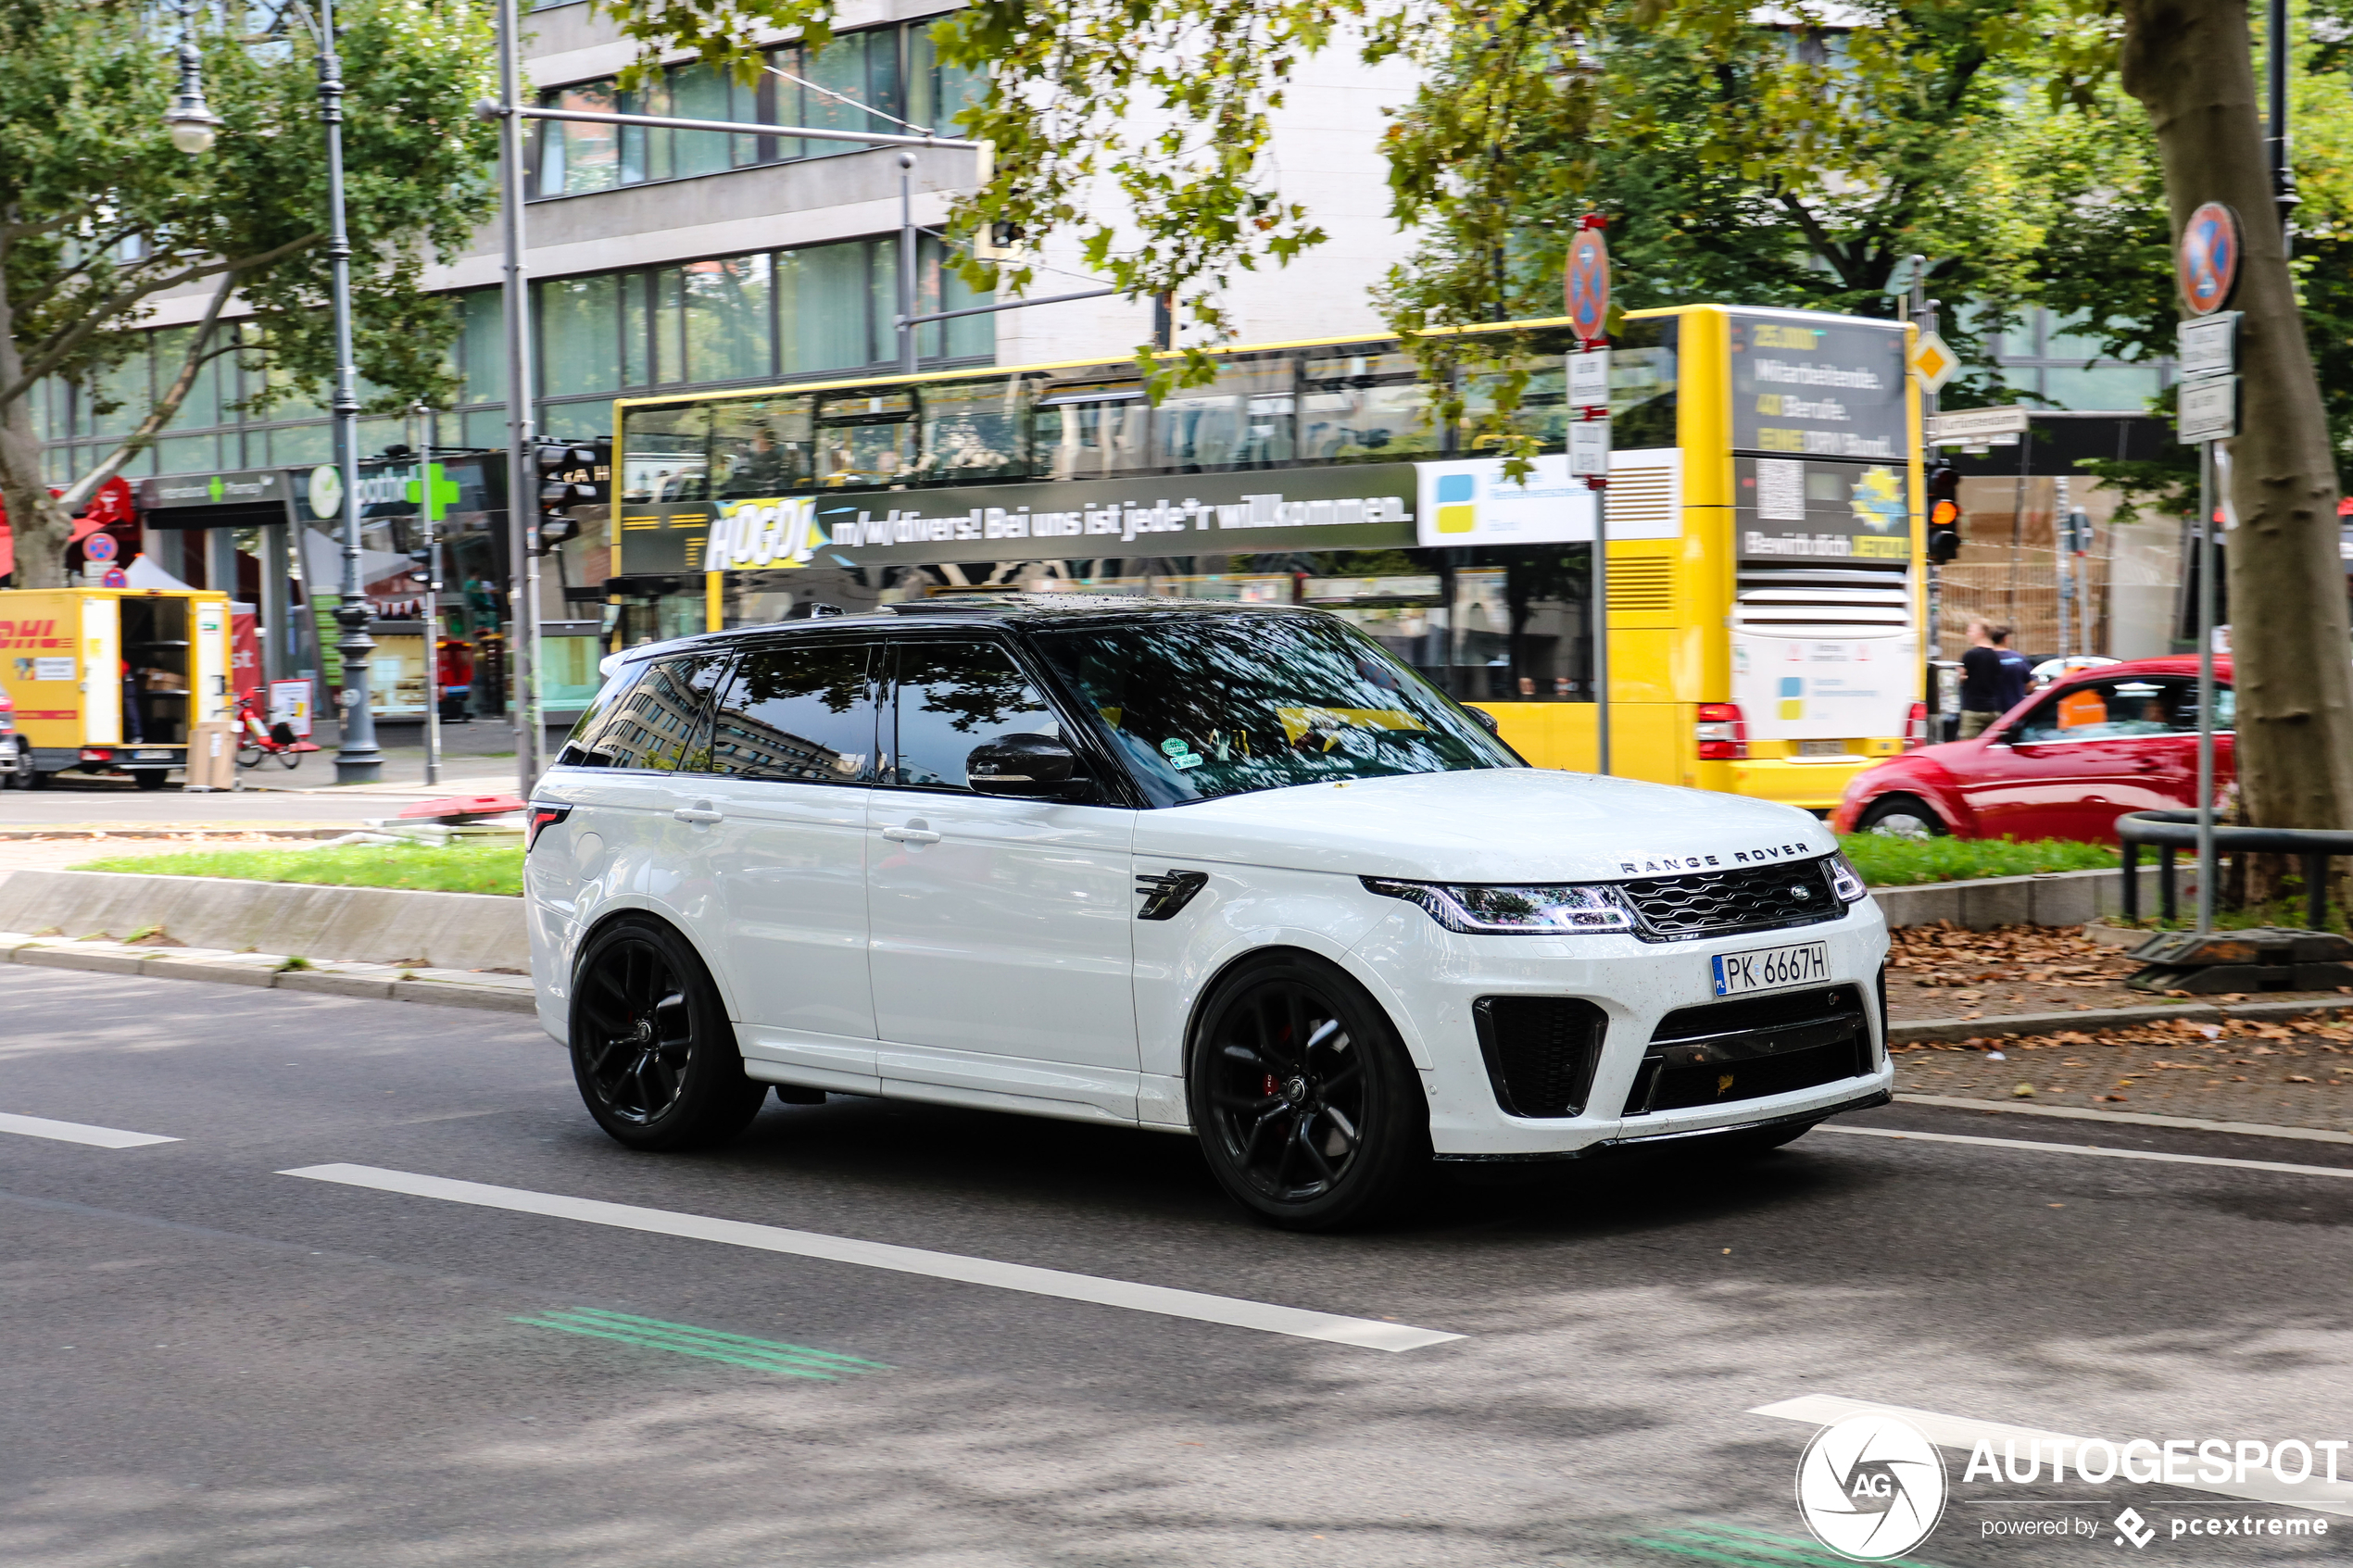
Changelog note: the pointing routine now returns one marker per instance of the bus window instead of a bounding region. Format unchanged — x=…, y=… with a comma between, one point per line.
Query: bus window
x=1363, y=407
x=666, y=453
x=1542, y=410
x=972, y=430
x=761, y=448
x=1243, y=420
x=1091, y=430
x=865, y=441
x=1641, y=384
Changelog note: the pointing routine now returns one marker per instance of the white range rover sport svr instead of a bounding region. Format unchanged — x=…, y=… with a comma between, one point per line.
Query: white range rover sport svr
x=1219, y=869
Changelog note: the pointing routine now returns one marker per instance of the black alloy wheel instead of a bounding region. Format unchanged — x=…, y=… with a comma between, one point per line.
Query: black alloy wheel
x=1309, y=1111
x=651, y=1050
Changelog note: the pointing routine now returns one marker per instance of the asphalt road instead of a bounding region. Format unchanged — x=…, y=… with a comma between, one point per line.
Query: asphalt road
x=212, y=1362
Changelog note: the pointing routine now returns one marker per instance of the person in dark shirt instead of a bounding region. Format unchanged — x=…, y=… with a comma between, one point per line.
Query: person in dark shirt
x=2014, y=675
x=1981, y=681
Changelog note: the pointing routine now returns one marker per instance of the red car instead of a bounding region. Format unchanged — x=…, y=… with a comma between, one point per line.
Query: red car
x=2064, y=763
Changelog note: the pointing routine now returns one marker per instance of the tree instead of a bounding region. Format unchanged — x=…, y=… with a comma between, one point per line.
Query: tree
x=1797, y=164
x=2190, y=64
x=100, y=214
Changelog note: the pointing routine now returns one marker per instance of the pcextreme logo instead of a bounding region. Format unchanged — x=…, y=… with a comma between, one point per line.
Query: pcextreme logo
x=1870, y=1486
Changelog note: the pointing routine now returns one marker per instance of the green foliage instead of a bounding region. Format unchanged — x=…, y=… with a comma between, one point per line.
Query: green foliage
x=1886, y=860
x=455, y=868
x=727, y=35
x=99, y=213
x=1163, y=104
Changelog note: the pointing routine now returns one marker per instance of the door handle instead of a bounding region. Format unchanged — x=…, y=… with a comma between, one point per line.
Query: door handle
x=698, y=814
x=913, y=832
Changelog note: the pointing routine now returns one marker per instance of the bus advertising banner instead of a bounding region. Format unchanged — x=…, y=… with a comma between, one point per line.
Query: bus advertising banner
x=1791, y=512
x=1360, y=507
x=1818, y=386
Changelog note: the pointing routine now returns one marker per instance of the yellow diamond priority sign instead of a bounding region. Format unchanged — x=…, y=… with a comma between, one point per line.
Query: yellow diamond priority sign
x=1932, y=362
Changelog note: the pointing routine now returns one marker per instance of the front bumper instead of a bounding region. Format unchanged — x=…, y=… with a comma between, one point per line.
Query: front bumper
x=1436, y=978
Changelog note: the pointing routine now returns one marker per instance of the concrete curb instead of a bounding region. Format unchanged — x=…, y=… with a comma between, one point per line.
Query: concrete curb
x=1922, y=1030
x=2129, y=1118
x=2051, y=899
x=383, y=925
x=451, y=988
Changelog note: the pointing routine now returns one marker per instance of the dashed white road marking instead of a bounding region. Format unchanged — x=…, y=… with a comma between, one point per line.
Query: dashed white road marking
x=77, y=1132
x=1367, y=1333
x=2339, y=1172
x=1964, y=1433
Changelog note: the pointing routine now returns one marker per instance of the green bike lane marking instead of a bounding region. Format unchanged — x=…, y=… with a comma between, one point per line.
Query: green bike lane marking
x=1744, y=1547
x=709, y=1343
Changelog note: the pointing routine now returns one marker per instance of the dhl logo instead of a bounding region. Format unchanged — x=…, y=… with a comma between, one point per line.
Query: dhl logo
x=30, y=634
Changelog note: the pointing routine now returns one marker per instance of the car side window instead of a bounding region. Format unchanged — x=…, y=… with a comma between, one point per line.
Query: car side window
x=952, y=696
x=2183, y=708
x=800, y=713
x=2113, y=710
x=659, y=722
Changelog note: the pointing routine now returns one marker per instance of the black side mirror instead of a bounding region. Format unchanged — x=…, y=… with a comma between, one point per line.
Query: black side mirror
x=1027, y=767
x=1487, y=720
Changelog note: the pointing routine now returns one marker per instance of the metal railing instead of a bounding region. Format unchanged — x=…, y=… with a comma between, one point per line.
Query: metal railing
x=2170, y=832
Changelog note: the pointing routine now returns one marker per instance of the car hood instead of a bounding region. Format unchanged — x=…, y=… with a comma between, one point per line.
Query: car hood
x=1494, y=825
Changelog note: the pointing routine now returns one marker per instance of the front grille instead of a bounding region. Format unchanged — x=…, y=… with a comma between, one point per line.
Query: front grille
x=1671, y=909
x=1541, y=1051
x=1756, y=1046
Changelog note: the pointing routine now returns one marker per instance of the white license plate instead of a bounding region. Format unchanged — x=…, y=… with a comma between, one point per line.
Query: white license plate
x=1771, y=969
x=1822, y=749
x=151, y=757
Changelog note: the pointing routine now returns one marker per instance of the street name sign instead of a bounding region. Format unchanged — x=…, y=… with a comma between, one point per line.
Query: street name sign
x=1976, y=427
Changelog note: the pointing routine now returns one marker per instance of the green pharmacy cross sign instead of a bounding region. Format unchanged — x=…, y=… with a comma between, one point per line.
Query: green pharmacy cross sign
x=437, y=492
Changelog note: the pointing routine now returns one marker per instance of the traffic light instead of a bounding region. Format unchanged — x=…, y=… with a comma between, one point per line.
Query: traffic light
x=1943, y=512
x=570, y=474
x=421, y=573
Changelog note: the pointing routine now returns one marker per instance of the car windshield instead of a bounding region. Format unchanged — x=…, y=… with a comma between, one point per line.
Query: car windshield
x=1206, y=707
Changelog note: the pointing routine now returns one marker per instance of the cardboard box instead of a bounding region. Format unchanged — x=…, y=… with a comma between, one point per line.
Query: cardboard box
x=212, y=755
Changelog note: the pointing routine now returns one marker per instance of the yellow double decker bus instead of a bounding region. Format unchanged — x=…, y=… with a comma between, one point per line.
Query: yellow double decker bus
x=1764, y=578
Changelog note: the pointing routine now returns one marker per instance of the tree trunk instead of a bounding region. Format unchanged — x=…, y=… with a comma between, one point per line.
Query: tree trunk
x=39, y=528
x=2190, y=63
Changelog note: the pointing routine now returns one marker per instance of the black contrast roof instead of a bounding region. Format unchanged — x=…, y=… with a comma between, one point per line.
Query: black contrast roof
x=1010, y=609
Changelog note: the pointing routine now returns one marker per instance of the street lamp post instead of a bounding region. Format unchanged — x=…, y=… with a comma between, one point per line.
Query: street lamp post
x=356, y=759
x=192, y=125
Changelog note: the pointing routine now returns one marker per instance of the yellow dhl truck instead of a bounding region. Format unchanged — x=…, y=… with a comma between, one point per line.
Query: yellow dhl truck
x=113, y=680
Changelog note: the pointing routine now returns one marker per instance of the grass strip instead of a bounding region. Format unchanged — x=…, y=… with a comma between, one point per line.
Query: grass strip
x=721, y=1337
x=428, y=868
x=1888, y=862
x=649, y=1342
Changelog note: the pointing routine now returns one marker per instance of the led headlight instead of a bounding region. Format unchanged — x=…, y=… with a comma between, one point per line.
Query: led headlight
x=1512, y=911
x=1845, y=880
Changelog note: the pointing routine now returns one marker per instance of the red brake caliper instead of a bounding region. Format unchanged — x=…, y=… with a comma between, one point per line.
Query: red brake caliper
x=1273, y=1088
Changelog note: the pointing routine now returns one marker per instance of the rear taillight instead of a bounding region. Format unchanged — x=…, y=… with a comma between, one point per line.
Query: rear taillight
x=1916, y=727
x=1722, y=732
x=542, y=816
x=97, y=754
